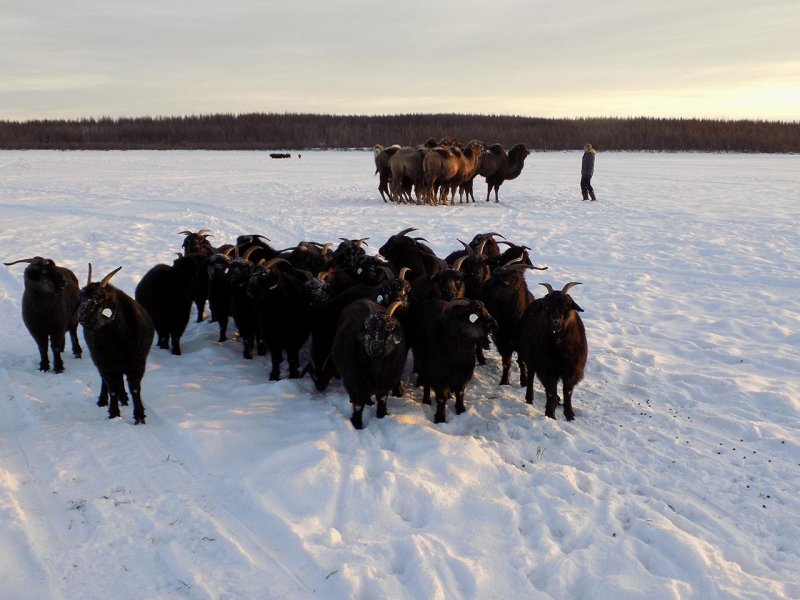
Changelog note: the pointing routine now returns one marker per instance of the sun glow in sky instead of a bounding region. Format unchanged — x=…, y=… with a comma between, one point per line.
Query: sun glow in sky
x=731, y=59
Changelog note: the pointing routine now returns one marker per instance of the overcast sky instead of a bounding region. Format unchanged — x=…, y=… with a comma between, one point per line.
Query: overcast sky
x=552, y=58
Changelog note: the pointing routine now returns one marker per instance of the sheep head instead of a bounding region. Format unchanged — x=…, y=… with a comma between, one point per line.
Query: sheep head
x=41, y=275
x=98, y=301
x=381, y=333
x=558, y=307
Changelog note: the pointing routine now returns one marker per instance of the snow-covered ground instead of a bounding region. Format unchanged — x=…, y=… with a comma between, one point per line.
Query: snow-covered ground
x=679, y=478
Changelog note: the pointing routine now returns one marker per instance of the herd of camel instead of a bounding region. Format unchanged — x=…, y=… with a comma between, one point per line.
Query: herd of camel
x=438, y=169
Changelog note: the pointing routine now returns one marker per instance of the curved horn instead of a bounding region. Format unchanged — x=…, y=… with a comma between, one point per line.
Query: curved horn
x=186, y=232
x=494, y=233
x=274, y=261
x=203, y=232
x=548, y=286
x=393, y=307
x=249, y=251
x=539, y=268
x=388, y=271
x=25, y=260
x=322, y=275
x=361, y=241
x=263, y=237
x=405, y=231
x=569, y=286
x=287, y=249
x=89, y=279
x=403, y=272
x=459, y=262
x=481, y=247
x=420, y=239
x=457, y=302
x=470, y=250
x=108, y=277
x=513, y=260
x=229, y=251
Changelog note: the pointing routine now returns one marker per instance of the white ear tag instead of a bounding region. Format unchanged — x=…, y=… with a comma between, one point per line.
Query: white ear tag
x=106, y=312
x=379, y=299
x=473, y=317
x=359, y=270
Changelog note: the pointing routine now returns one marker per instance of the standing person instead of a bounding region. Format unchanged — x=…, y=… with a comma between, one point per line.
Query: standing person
x=587, y=170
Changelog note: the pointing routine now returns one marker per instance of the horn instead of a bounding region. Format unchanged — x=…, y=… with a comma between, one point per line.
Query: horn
x=459, y=262
x=457, y=302
x=388, y=271
x=403, y=272
x=470, y=249
x=25, y=260
x=513, y=260
x=494, y=233
x=287, y=249
x=229, y=251
x=393, y=307
x=548, y=286
x=186, y=232
x=89, y=279
x=249, y=251
x=405, y=231
x=180, y=254
x=203, y=231
x=108, y=277
x=274, y=261
x=420, y=239
x=481, y=247
x=569, y=286
x=263, y=237
x=539, y=268
x=323, y=274
x=361, y=241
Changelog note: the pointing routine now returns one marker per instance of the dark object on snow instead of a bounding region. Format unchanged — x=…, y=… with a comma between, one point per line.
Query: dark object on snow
x=553, y=346
x=444, y=352
x=369, y=351
x=280, y=155
x=119, y=333
x=50, y=308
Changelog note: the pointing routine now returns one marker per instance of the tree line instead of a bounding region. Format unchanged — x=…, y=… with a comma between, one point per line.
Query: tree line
x=295, y=131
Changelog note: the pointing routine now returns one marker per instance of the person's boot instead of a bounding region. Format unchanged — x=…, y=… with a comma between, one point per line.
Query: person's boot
x=593, y=196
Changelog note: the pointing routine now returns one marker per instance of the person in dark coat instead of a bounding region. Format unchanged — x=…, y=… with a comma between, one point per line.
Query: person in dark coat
x=587, y=170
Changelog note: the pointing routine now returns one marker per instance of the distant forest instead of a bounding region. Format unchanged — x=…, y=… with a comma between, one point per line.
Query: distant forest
x=295, y=131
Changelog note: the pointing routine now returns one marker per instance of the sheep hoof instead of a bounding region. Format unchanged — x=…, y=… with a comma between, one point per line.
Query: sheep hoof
x=102, y=402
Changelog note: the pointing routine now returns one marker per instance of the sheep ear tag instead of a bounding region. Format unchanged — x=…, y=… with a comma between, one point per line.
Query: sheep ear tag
x=473, y=317
x=379, y=299
x=106, y=312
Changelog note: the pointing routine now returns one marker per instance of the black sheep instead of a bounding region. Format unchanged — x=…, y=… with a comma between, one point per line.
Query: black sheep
x=445, y=349
x=50, y=309
x=369, y=351
x=403, y=251
x=219, y=292
x=506, y=295
x=283, y=312
x=119, y=333
x=167, y=293
x=553, y=346
x=326, y=319
x=244, y=309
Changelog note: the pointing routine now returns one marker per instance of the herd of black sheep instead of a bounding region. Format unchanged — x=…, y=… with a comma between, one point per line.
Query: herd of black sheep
x=362, y=314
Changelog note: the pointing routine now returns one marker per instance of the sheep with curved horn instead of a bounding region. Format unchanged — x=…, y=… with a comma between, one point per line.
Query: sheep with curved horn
x=50, y=309
x=553, y=346
x=119, y=333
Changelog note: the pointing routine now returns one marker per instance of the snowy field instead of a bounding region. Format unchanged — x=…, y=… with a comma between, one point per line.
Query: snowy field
x=679, y=478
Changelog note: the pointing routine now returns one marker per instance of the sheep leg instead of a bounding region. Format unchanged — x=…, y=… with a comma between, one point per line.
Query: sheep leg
x=479, y=357
x=277, y=356
x=293, y=358
x=441, y=408
x=176, y=344
x=551, y=394
x=381, y=411
x=397, y=390
x=223, y=329
x=460, y=408
x=200, y=303
x=506, y=359
x=358, y=409
x=44, y=359
x=523, y=372
x=569, y=414
x=426, y=394
x=77, y=351
x=163, y=339
x=247, y=343
x=261, y=347
x=102, y=399
x=135, y=387
x=529, y=387
x=115, y=390
x=57, y=346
